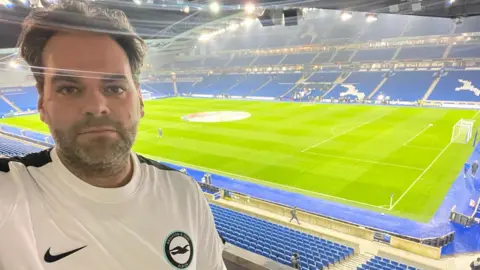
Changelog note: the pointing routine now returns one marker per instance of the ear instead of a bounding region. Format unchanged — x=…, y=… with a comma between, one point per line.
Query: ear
x=40, y=105
x=140, y=98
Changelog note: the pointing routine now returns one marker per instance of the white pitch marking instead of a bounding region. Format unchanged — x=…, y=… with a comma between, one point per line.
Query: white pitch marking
x=340, y=134
x=266, y=183
x=367, y=161
x=420, y=176
x=418, y=134
x=476, y=114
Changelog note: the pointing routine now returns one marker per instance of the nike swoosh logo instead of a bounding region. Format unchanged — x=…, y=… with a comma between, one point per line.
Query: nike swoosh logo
x=49, y=258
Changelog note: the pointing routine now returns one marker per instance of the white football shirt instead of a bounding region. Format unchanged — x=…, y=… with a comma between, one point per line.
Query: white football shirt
x=50, y=219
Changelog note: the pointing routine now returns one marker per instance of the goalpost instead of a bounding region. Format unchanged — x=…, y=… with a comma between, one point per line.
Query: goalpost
x=462, y=131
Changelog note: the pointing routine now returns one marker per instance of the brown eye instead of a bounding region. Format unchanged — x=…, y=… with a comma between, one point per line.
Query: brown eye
x=68, y=90
x=114, y=90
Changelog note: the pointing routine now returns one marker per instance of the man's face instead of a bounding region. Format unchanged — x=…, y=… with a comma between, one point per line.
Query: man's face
x=90, y=101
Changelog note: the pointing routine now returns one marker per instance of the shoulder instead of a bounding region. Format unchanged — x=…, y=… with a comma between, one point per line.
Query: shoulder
x=37, y=159
x=175, y=177
x=156, y=164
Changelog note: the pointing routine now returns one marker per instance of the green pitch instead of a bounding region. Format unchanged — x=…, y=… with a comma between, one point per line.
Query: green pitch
x=352, y=154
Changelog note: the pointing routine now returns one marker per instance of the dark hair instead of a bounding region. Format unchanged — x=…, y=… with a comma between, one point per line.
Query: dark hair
x=77, y=15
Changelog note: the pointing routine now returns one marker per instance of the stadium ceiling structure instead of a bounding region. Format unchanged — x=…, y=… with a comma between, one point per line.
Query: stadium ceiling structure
x=170, y=26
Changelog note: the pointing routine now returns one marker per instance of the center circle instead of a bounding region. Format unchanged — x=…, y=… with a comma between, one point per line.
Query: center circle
x=213, y=117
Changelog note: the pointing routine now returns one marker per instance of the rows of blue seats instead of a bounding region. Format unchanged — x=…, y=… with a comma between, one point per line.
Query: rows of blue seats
x=25, y=99
x=379, y=263
x=363, y=82
x=458, y=86
x=10, y=147
x=277, y=242
x=279, y=84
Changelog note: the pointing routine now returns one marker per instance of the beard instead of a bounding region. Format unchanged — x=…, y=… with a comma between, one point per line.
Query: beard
x=99, y=153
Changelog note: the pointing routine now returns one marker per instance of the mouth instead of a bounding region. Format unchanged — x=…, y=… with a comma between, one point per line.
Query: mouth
x=98, y=130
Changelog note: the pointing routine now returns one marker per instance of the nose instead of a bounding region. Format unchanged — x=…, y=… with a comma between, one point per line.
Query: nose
x=95, y=103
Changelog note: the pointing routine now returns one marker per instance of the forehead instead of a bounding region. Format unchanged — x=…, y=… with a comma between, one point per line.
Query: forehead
x=85, y=52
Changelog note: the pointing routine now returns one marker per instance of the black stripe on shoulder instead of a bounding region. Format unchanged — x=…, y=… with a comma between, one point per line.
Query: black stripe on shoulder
x=37, y=159
x=154, y=163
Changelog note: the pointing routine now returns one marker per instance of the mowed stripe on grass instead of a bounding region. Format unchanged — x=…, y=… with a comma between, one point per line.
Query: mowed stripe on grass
x=367, y=152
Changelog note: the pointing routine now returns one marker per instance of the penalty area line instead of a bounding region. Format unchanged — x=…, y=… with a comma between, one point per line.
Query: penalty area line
x=251, y=179
x=419, y=177
x=418, y=134
x=342, y=133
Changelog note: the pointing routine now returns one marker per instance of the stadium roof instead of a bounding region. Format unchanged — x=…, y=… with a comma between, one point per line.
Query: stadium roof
x=167, y=27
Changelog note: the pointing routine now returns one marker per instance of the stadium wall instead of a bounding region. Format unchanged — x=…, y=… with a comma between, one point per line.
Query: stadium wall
x=223, y=203
x=417, y=248
x=306, y=217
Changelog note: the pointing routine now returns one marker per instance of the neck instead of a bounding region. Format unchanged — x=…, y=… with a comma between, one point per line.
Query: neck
x=105, y=175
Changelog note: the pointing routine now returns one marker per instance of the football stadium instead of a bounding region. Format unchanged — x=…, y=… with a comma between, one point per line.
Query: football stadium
x=366, y=122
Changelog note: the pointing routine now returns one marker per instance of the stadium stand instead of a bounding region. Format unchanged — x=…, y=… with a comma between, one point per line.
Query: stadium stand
x=399, y=85
x=423, y=26
x=5, y=107
x=267, y=60
x=458, y=86
x=279, y=84
x=325, y=77
x=342, y=56
x=277, y=242
x=216, y=62
x=10, y=147
x=426, y=52
x=251, y=83
x=298, y=59
x=464, y=51
x=241, y=61
x=217, y=84
x=158, y=89
x=470, y=24
x=374, y=55
x=25, y=98
x=379, y=263
x=357, y=85
x=323, y=57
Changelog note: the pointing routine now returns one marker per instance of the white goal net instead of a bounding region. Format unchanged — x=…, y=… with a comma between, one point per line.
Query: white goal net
x=462, y=131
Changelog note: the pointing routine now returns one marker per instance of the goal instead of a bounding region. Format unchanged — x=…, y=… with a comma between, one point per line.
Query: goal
x=462, y=131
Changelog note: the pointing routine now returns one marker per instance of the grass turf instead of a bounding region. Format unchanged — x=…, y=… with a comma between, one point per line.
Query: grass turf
x=353, y=154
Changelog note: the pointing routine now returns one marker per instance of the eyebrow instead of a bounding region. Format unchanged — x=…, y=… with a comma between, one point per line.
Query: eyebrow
x=62, y=76
x=114, y=77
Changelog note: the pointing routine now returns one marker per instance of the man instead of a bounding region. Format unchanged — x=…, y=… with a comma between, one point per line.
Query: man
x=295, y=261
x=475, y=265
x=90, y=202
x=474, y=168
x=293, y=213
x=466, y=167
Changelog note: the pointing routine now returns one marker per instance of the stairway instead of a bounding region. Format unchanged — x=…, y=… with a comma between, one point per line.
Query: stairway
x=284, y=56
x=430, y=89
x=339, y=80
x=447, y=51
x=10, y=103
x=301, y=80
x=229, y=60
x=254, y=59
x=352, y=56
x=396, y=53
x=333, y=56
x=231, y=87
x=377, y=88
x=267, y=82
x=352, y=262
